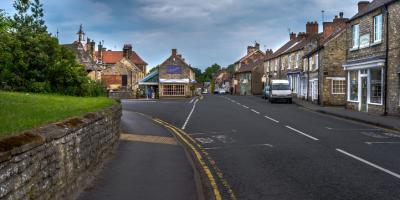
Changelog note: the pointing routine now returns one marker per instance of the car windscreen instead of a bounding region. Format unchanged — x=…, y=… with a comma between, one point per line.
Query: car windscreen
x=280, y=86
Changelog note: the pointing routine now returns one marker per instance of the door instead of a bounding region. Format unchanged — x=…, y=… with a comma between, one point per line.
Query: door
x=364, y=94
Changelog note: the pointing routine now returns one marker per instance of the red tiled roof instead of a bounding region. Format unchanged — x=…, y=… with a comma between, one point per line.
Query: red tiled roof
x=112, y=57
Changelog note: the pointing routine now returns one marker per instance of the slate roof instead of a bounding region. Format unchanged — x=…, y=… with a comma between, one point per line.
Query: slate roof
x=284, y=48
x=371, y=7
x=250, y=66
x=82, y=55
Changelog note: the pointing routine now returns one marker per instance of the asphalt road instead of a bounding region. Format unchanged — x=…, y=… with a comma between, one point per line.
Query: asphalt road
x=146, y=165
x=282, y=151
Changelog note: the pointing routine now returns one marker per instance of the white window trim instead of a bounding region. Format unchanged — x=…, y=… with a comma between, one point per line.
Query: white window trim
x=353, y=45
x=348, y=87
x=338, y=79
x=369, y=88
x=381, y=29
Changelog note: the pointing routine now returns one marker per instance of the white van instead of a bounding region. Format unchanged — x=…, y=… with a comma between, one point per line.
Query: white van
x=280, y=90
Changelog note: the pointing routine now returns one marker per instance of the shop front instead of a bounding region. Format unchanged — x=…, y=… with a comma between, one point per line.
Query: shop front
x=365, y=86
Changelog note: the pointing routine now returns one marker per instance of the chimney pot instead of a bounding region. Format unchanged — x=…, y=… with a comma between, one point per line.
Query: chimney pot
x=174, y=52
x=341, y=14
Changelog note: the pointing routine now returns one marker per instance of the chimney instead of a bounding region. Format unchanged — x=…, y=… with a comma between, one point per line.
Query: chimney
x=362, y=5
x=179, y=55
x=257, y=46
x=269, y=52
x=92, y=48
x=341, y=14
x=100, y=52
x=328, y=29
x=250, y=50
x=174, y=52
x=127, y=50
x=312, y=28
x=292, y=36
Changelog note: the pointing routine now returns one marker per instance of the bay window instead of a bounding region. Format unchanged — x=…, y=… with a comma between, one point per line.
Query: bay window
x=375, y=94
x=353, y=85
x=378, y=28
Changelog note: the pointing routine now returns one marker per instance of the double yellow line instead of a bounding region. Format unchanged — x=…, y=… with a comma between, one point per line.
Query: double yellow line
x=184, y=137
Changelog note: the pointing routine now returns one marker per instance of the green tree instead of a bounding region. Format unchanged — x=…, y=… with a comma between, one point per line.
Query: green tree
x=32, y=60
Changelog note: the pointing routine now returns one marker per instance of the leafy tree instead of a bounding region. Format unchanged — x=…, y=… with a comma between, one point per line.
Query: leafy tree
x=231, y=68
x=32, y=60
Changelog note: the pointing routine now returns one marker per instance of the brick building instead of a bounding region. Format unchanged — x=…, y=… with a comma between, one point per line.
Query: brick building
x=244, y=67
x=373, y=57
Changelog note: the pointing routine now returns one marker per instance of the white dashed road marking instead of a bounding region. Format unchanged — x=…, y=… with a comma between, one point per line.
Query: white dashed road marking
x=295, y=130
x=245, y=107
x=369, y=163
x=255, y=111
x=272, y=119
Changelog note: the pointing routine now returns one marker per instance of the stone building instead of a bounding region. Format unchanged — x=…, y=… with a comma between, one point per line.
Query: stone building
x=122, y=70
x=174, y=78
x=223, y=80
x=372, y=63
x=84, y=50
x=323, y=65
x=243, y=80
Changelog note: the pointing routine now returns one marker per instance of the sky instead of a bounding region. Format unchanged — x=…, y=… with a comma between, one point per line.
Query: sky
x=204, y=31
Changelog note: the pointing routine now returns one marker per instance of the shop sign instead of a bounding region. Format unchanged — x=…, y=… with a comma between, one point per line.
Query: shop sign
x=174, y=69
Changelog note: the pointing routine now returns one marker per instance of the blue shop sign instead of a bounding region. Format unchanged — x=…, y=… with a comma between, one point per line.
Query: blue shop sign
x=174, y=69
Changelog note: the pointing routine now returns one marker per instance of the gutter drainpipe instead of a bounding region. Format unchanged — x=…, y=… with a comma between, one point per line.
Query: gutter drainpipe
x=386, y=60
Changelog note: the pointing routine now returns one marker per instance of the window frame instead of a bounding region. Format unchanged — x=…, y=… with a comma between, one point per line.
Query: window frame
x=375, y=27
x=355, y=31
x=369, y=87
x=343, y=80
x=349, y=86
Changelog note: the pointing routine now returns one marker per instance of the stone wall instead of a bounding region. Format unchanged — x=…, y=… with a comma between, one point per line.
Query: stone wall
x=58, y=160
x=393, y=87
x=332, y=57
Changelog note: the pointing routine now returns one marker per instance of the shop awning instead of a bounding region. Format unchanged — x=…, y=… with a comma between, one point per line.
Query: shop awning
x=150, y=79
x=179, y=81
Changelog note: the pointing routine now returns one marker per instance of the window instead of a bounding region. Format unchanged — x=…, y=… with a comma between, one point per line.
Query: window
x=124, y=80
x=338, y=86
x=276, y=65
x=375, y=86
x=297, y=60
x=316, y=61
x=353, y=85
x=356, y=36
x=173, y=90
x=378, y=28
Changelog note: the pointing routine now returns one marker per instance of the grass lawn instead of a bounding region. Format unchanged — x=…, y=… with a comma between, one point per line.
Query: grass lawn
x=22, y=111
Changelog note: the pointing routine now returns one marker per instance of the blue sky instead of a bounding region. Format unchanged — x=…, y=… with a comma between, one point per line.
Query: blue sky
x=205, y=32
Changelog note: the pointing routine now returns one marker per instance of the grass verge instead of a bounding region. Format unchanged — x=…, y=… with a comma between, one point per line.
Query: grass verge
x=22, y=111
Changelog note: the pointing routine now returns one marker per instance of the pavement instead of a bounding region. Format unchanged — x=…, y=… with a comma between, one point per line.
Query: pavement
x=390, y=122
x=148, y=164
x=259, y=150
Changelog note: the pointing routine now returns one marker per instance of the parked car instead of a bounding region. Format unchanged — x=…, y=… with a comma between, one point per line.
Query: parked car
x=280, y=91
x=265, y=92
x=221, y=91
